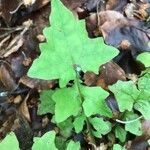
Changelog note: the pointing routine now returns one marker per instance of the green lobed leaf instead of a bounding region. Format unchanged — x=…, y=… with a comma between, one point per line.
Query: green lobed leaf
x=47, y=105
x=144, y=58
x=135, y=126
x=67, y=103
x=102, y=127
x=126, y=94
x=9, y=142
x=79, y=123
x=144, y=108
x=94, y=101
x=67, y=46
x=144, y=83
x=60, y=142
x=120, y=133
x=66, y=127
x=117, y=147
x=146, y=73
x=47, y=141
x=73, y=146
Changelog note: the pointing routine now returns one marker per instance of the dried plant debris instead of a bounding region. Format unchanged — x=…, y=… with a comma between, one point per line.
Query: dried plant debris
x=125, y=25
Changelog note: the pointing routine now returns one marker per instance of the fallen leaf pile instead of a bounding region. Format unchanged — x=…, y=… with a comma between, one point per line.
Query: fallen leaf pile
x=123, y=24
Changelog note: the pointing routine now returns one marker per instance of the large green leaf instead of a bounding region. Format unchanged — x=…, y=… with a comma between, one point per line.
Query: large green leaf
x=10, y=142
x=68, y=46
x=46, y=142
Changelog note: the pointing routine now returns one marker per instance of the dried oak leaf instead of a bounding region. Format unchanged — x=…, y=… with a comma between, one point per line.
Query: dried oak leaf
x=116, y=28
x=109, y=74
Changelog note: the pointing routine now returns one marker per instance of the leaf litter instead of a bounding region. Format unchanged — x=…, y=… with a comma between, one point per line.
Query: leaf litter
x=122, y=24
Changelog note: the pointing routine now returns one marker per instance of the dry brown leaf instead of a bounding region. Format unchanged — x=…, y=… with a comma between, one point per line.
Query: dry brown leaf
x=90, y=78
x=117, y=5
x=110, y=73
x=15, y=48
x=23, y=109
x=7, y=126
x=116, y=29
x=17, y=99
x=37, y=83
x=7, y=77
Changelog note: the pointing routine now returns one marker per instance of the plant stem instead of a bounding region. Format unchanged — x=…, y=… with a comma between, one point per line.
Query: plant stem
x=130, y=121
x=90, y=136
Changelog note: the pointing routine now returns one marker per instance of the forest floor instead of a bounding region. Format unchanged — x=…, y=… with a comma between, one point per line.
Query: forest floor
x=123, y=24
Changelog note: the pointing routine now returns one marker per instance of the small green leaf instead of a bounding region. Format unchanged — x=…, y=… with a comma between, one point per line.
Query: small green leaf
x=9, y=142
x=66, y=127
x=101, y=126
x=144, y=108
x=144, y=96
x=79, y=123
x=126, y=94
x=68, y=45
x=47, y=105
x=144, y=83
x=120, y=133
x=73, y=146
x=146, y=73
x=47, y=141
x=144, y=58
x=117, y=147
x=94, y=101
x=148, y=142
x=67, y=103
x=60, y=142
x=135, y=126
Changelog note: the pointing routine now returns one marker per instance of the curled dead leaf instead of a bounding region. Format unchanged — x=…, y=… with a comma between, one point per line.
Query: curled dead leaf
x=23, y=109
x=37, y=83
x=7, y=77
